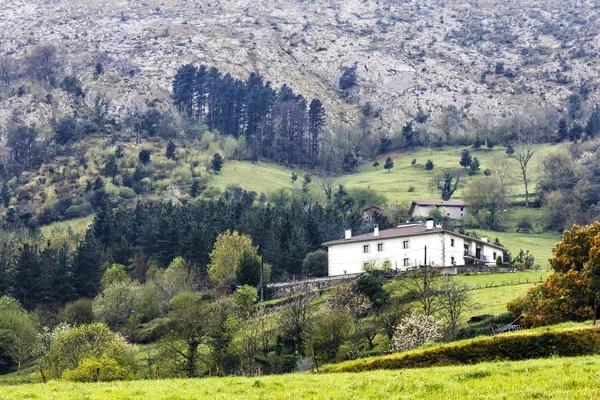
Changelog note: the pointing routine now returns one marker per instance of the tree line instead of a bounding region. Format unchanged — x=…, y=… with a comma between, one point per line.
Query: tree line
x=278, y=125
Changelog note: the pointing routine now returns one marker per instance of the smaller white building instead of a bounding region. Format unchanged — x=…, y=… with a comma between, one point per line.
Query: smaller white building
x=407, y=246
x=454, y=209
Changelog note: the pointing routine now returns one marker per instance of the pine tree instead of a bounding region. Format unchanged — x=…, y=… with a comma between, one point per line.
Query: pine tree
x=389, y=164
x=171, y=148
x=316, y=122
x=183, y=89
x=376, y=164
x=563, y=129
x=195, y=188
x=87, y=268
x=5, y=195
x=119, y=153
x=475, y=165
x=429, y=165
x=111, y=169
x=593, y=125
x=576, y=132
x=465, y=159
x=217, y=162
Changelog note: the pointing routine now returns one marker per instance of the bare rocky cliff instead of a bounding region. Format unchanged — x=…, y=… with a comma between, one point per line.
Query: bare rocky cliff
x=410, y=56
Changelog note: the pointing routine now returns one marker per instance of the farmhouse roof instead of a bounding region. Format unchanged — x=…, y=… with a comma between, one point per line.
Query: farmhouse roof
x=451, y=203
x=412, y=229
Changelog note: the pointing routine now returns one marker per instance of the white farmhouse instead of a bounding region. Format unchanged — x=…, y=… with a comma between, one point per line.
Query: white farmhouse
x=407, y=246
x=454, y=209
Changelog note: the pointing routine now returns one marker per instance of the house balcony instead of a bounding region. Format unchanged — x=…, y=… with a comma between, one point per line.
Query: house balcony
x=475, y=256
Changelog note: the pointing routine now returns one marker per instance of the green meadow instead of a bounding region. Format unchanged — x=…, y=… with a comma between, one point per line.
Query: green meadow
x=552, y=378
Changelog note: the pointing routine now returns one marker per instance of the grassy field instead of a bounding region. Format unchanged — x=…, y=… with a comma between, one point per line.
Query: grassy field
x=554, y=378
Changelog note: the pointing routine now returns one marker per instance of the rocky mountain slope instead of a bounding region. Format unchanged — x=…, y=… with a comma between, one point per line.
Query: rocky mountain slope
x=488, y=58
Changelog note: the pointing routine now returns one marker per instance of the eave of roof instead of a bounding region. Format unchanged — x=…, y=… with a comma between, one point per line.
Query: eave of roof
x=370, y=237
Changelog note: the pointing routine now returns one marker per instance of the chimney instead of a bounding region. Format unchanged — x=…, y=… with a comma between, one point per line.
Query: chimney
x=376, y=231
x=348, y=234
x=429, y=223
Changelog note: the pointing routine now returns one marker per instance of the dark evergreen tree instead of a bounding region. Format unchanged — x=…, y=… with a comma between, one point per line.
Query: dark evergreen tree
x=592, y=127
x=450, y=185
x=389, y=164
x=465, y=159
x=170, y=152
x=183, y=89
x=5, y=195
x=375, y=164
x=563, y=129
x=195, y=188
x=87, y=268
x=475, y=165
x=111, y=169
x=144, y=156
x=248, y=272
x=119, y=153
x=27, y=276
x=576, y=132
x=350, y=162
x=410, y=136
x=429, y=165
x=316, y=123
x=217, y=162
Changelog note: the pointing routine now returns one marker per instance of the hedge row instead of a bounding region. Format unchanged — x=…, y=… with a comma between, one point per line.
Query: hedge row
x=521, y=346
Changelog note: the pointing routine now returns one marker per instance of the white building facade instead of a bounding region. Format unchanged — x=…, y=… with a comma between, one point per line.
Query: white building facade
x=408, y=246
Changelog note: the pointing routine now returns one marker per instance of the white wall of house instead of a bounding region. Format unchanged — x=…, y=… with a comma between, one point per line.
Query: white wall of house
x=454, y=212
x=443, y=249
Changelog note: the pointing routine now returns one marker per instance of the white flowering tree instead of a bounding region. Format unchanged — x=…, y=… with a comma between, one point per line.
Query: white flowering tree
x=417, y=330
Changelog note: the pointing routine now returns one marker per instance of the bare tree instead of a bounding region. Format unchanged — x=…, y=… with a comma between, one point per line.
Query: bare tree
x=455, y=299
x=8, y=70
x=325, y=182
x=42, y=63
x=523, y=154
x=299, y=312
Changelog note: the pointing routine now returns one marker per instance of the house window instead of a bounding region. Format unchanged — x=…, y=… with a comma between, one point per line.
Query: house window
x=495, y=255
x=379, y=246
x=447, y=214
x=366, y=248
x=406, y=262
x=451, y=242
x=405, y=244
x=462, y=209
x=452, y=261
x=462, y=214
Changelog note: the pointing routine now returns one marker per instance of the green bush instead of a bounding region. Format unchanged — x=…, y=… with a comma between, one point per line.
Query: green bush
x=105, y=369
x=483, y=328
x=152, y=331
x=127, y=193
x=521, y=346
x=80, y=210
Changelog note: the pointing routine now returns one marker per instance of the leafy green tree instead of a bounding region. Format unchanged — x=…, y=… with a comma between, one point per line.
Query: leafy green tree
x=96, y=340
x=217, y=162
x=350, y=162
x=315, y=264
x=171, y=149
x=226, y=255
x=465, y=159
x=118, y=303
x=375, y=164
x=18, y=332
x=113, y=274
x=171, y=282
x=510, y=150
x=429, y=165
x=389, y=164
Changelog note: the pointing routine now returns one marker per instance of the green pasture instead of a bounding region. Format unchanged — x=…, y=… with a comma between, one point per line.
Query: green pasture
x=553, y=378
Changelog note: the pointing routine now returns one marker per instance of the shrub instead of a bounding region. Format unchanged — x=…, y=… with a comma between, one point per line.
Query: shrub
x=80, y=210
x=520, y=346
x=95, y=340
x=105, y=369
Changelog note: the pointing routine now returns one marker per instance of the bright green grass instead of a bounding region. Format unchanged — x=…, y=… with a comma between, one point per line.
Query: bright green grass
x=554, y=378
x=538, y=244
x=395, y=184
x=259, y=177
x=78, y=226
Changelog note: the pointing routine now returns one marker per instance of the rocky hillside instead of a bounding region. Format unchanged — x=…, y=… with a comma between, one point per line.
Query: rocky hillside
x=488, y=58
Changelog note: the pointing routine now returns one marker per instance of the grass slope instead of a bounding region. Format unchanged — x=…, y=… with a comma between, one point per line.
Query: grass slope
x=557, y=378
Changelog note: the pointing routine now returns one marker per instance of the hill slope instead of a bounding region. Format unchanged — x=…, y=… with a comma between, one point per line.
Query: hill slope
x=489, y=60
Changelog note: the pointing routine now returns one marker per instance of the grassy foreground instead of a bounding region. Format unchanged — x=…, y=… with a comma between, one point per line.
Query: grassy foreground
x=554, y=378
